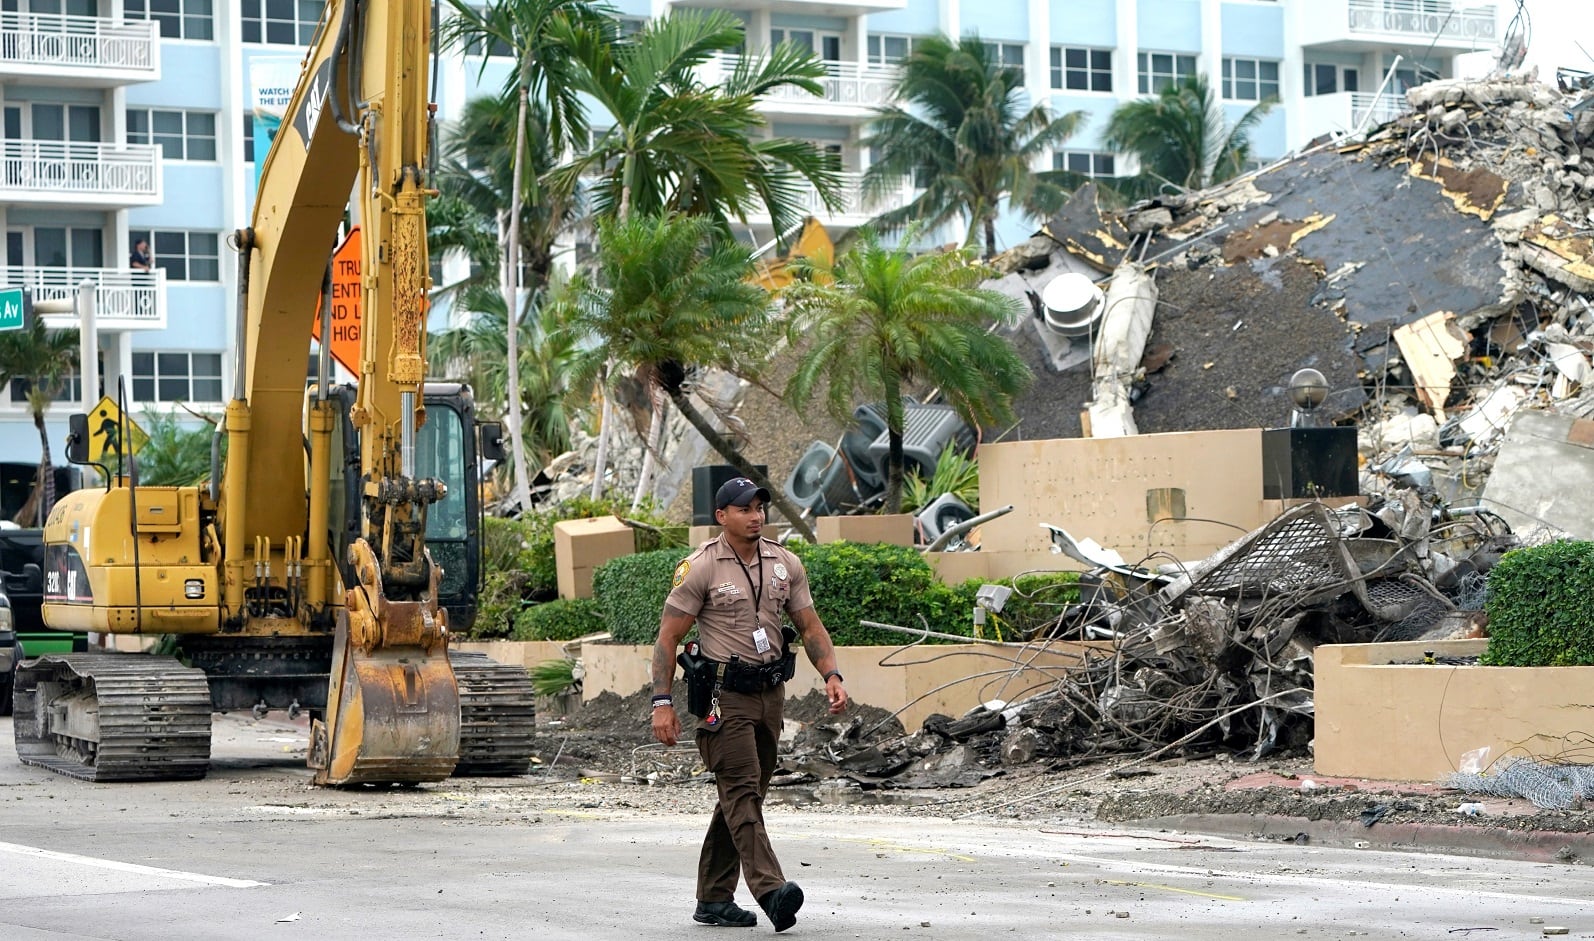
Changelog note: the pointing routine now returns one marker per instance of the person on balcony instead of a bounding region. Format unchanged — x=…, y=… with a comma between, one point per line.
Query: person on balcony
x=139, y=257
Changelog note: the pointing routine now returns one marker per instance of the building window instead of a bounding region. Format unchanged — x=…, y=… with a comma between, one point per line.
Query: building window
x=1008, y=55
x=1077, y=69
x=826, y=45
x=182, y=135
x=631, y=25
x=1159, y=70
x=176, y=377
x=890, y=48
x=178, y=19
x=1091, y=163
x=184, y=256
x=69, y=388
x=280, y=22
x=1250, y=79
x=1326, y=79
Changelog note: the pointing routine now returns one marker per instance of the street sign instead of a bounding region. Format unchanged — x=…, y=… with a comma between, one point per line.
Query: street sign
x=105, y=433
x=11, y=317
x=346, y=303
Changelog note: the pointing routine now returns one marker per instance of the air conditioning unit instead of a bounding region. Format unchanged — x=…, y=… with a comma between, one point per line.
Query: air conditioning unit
x=870, y=423
x=942, y=513
x=927, y=430
x=1073, y=304
x=819, y=483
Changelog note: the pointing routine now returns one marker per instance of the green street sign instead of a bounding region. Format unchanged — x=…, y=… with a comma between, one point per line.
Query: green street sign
x=11, y=309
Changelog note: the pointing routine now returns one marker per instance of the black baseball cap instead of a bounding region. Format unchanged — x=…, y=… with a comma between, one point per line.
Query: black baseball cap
x=739, y=491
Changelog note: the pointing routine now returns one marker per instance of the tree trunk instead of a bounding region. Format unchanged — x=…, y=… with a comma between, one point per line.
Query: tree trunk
x=734, y=457
x=600, y=461
x=896, y=420
x=46, y=482
x=653, y=447
x=511, y=280
x=990, y=237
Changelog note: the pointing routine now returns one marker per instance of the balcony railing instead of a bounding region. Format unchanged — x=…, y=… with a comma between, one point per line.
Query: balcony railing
x=68, y=171
x=1375, y=109
x=95, y=48
x=122, y=298
x=1430, y=19
x=847, y=83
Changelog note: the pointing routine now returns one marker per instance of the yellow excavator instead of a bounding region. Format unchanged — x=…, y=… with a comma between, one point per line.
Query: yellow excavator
x=305, y=576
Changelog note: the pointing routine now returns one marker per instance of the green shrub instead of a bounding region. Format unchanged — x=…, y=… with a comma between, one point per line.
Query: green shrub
x=630, y=593
x=852, y=582
x=552, y=677
x=498, y=605
x=1541, y=607
x=560, y=619
x=1038, y=599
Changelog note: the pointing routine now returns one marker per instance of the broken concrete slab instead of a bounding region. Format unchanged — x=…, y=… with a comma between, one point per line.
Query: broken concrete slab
x=1545, y=474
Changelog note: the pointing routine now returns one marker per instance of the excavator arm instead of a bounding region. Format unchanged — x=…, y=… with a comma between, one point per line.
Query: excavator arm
x=355, y=133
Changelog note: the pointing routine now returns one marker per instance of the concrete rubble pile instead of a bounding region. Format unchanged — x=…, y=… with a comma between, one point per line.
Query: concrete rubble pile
x=1439, y=273
x=1216, y=657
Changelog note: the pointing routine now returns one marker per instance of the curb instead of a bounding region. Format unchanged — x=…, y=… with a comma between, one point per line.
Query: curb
x=1544, y=846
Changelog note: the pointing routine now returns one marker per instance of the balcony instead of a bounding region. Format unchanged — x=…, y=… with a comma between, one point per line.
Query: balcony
x=855, y=209
x=110, y=176
x=123, y=299
x=1342, y=113
x=850, y=91
x=1365, y=25
x=85, y=51
x=811, y=7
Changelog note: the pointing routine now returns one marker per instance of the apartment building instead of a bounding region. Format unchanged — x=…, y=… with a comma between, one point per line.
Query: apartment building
x=128, y=119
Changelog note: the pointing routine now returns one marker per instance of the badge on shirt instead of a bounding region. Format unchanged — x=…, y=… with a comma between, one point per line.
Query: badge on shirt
x=780, y=570
x=680, y=573
x=761, y=640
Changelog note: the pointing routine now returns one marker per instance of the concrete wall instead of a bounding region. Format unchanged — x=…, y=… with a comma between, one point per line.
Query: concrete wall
x=1113, y=489
x=1413, y=721
x=950, y=679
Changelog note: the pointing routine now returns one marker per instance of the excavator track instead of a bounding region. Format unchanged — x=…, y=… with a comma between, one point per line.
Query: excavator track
x=498, y=716
x=113, y=717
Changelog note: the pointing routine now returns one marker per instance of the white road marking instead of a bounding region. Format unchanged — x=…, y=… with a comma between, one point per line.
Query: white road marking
x=134, y=868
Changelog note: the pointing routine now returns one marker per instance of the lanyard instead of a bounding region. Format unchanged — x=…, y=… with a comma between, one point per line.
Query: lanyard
x=756, y=586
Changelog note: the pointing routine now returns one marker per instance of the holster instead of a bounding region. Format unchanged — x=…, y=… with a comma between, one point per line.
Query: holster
x=700, y=674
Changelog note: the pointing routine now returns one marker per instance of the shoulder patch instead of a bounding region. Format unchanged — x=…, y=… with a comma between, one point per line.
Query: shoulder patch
x=680, y=573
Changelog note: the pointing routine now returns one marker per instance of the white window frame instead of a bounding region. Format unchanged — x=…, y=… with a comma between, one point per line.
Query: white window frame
x=160, y=372
x=1341, y=74
x=1150, y=80
x=169, y=246
x=191, y=18
x=1252, y=88
x=875, y=45
x=1001, y=48
x=303, y=29
x=1102, y=164
x=184, y=139
x=780, y=34
x=1097, y=79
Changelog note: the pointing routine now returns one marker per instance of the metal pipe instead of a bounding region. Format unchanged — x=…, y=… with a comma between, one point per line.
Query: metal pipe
x=963, y=527
x=245, y=241
x=407, y=434
x=323, y=369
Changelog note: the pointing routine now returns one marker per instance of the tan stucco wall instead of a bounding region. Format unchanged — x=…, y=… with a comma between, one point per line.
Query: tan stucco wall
x=1378, y=719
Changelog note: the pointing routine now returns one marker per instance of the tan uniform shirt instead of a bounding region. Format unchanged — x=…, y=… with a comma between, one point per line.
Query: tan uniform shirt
x=714, y=586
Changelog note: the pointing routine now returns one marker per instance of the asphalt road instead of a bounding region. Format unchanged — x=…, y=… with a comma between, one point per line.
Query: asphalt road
x=254, y=852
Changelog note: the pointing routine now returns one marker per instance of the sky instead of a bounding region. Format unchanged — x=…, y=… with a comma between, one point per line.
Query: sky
x=1555, y=32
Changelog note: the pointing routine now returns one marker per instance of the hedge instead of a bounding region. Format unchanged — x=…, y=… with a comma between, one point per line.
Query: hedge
x=630, y=593
x=1541, y=607
x=853, y=582
x=560, y=619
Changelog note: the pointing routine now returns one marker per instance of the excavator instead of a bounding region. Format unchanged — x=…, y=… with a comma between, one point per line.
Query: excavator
x=302, y=576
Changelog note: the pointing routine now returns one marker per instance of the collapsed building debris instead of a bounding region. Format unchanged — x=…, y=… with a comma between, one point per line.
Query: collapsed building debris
x=1439, y=273
x=1211, y=658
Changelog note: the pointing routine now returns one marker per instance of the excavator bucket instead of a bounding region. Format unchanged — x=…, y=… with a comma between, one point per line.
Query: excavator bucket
x=393, y=710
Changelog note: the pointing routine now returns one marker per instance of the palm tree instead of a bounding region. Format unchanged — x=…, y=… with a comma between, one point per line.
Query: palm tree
x=678, y=144
x=1182, y=137
x=879, y=321
x=961, y=124
x=556, y=371
x=43, y=359
x=672, y=294
x=535, y=30
x=175, y=455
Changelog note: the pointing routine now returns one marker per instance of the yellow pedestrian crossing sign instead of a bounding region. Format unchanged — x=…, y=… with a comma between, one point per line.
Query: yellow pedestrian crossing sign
x=106, y=429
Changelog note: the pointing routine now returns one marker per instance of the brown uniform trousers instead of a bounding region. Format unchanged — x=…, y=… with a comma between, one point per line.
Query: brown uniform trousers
x=741, y=753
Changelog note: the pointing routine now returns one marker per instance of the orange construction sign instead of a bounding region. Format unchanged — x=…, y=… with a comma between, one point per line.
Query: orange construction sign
x=346, y=301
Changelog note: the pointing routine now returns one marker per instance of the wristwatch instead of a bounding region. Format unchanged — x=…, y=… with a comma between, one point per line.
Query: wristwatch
x=834, y=673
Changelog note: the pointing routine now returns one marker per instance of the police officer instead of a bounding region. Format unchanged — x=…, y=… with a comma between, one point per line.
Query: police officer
x=734, y=588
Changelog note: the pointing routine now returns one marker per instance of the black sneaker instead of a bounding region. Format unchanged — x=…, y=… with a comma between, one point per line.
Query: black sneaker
x=781, y=905
x=724, y=915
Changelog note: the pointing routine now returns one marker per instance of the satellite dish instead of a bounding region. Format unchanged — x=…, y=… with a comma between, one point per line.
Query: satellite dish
x=1073, y=304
